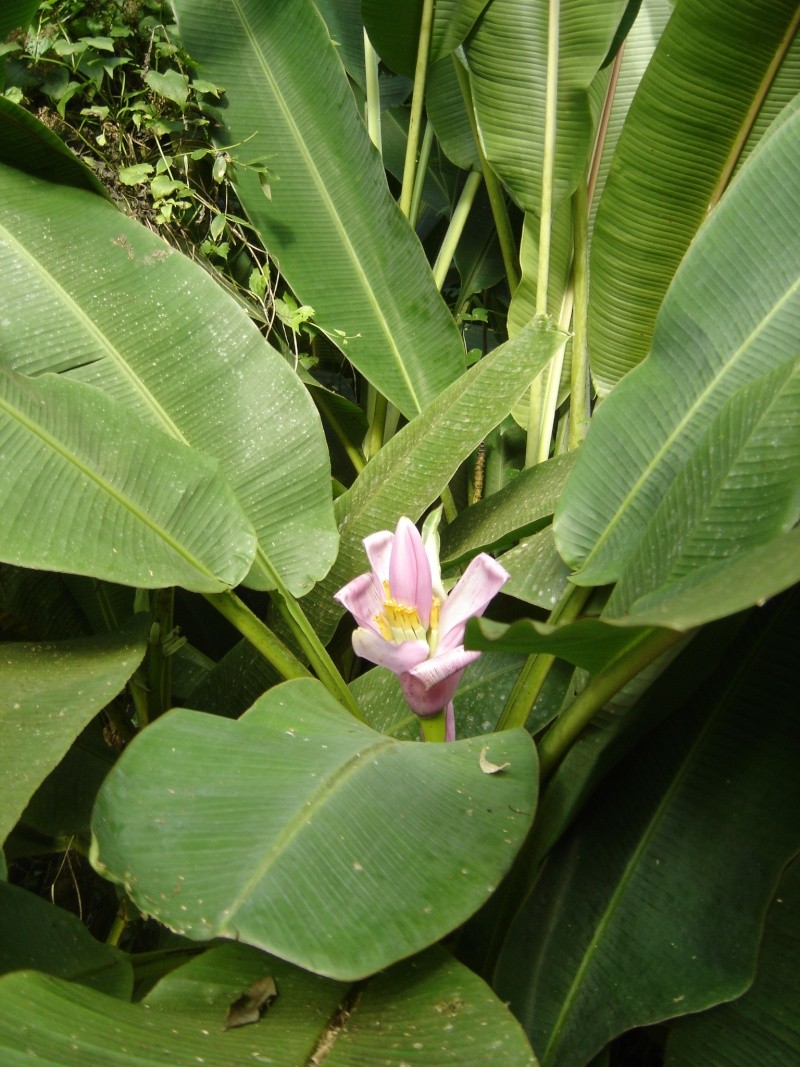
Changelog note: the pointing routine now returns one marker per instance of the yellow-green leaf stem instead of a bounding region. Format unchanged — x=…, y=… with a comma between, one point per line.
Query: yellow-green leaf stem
x=558, y=740
x=417, y=99
x=422, y=167
x=456, y=228
x=309, y=642
x=536, y=667
x=502, y=223
x=579, y=402
x=353, y=454
x=258, y=634
x=548, y=158
x=378, y=406
x=537, y=413
x=373, y=94
x=552, y=380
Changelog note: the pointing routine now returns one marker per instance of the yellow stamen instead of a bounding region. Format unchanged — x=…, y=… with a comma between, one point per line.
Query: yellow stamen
x=399, y=622
x=433, y=629
x=404, y=621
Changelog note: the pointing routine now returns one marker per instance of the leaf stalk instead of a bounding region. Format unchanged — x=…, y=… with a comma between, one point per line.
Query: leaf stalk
x=417, y=100
x=558, y=740
x=531, y=678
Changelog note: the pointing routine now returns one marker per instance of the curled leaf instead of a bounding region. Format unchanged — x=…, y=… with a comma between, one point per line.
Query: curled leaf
x=250, y=1006
x=487, y=766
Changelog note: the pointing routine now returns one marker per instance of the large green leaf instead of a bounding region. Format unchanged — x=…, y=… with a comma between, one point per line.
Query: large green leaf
x=107, y=302
x=653, y=905
x=781, y=96
x=723, y=587
x=763, y=1025
x=412, y=469
x=48, y=693
x=62, y=805
x=338, y=236
x=507, y=57
x=303, y=832
x=709, y=420
x=447, y=113
x=640, y=44
x=691, y=106
x=624, y=721
x=429, y=1010
x=38, y=605
x=89, y=488
x=343, y=19
x=538, y=574
x=37, y=935
x=748, y=462
x=523, y=301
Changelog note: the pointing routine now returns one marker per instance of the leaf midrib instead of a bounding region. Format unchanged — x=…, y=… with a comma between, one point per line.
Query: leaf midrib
x=108, y=488
x=93, y=330
x=303, y=815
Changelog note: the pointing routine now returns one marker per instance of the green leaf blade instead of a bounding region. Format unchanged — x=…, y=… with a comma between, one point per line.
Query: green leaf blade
x=330, y=233
x=763, y=1025
x=36, y=934
x=507, y=59
x=433, y=1001
x=153, y=330
x=50, y=691
x=668, y=418
x=692, y=104
x=299, y=814
x=642, y=895
x=116, y=499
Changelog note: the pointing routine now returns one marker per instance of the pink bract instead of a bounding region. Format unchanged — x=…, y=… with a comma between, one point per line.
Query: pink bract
x=406, y=621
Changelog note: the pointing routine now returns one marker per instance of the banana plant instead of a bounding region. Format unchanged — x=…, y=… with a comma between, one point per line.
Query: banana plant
x=498, y=391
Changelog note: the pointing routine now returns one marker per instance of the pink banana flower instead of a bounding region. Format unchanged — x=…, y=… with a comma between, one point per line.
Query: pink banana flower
x=409, y=624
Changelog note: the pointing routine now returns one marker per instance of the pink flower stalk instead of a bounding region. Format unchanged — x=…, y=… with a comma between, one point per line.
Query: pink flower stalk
x=409, y=624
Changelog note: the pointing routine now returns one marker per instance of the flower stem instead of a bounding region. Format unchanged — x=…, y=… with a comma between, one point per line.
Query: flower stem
x=558, y=740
